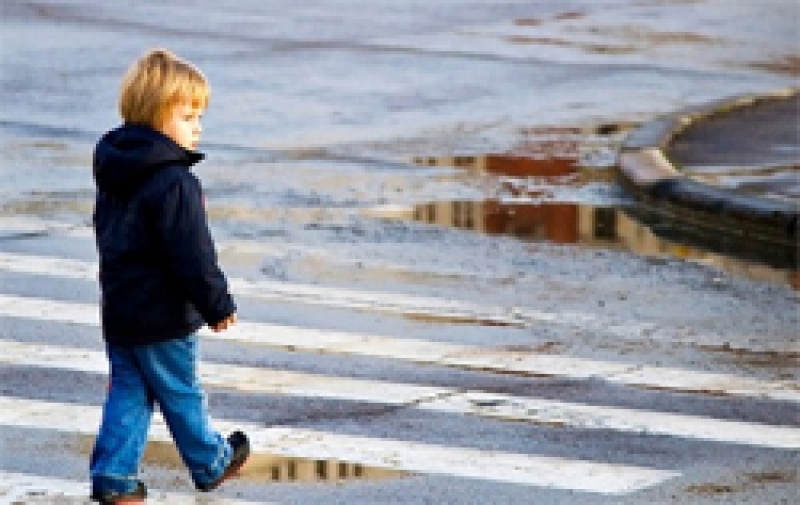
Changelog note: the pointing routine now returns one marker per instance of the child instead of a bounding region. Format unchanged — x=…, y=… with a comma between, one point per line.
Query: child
x=159, y=281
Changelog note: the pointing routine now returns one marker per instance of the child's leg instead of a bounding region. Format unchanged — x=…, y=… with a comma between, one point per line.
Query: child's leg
x=171, y=372
x=123, y=432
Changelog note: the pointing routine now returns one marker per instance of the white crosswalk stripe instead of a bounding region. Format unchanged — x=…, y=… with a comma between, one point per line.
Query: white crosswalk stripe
x=437, y=353
x=493, y=405
x=544, y=471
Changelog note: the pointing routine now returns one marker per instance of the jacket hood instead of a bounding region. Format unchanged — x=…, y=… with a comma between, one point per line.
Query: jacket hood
x=129, y=155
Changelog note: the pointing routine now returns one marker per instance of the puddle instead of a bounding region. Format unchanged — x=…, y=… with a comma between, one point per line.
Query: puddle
x=439, y=318
x=644, y=231
x=554, y=169
x=265, y=468
x=613, y=228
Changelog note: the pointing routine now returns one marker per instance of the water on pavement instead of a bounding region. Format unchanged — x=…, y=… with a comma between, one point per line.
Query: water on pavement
x=320, y=122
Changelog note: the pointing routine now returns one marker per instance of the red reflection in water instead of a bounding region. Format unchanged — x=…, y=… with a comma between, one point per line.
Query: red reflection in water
x=527, y=167
x=571, y=223
x=555, y=222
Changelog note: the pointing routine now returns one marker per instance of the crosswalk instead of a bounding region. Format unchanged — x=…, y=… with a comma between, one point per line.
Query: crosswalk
x=500, y=410
x=464, y=402
x=407, y=456
x=436, y=353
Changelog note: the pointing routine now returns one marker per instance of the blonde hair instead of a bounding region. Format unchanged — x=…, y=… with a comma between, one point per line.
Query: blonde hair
x=156, y=83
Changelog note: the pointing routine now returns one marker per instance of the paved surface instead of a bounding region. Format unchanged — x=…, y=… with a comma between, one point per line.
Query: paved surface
x=409, y=361
x=754, y=149
x=362, y=395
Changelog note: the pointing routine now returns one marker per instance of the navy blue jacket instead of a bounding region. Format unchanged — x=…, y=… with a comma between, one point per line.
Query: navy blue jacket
x=159, y=277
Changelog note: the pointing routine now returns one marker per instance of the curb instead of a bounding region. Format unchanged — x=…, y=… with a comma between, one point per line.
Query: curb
x=644, y=169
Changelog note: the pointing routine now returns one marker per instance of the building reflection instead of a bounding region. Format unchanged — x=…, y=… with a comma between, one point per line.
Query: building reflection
x=632, y=229
x=272, y=467
x=287, y=469
x=602, y=227
x=514, y=166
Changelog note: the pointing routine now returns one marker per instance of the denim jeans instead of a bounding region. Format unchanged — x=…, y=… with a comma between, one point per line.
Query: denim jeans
x=164, y=373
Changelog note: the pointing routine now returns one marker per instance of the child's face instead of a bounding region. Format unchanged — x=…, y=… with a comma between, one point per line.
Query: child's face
x=182, y=125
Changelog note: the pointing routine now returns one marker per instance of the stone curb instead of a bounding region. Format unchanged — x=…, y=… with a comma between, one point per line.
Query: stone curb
x=645, y=170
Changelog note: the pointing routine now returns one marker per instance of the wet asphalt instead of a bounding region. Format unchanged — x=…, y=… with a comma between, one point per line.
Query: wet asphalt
x=321, y=112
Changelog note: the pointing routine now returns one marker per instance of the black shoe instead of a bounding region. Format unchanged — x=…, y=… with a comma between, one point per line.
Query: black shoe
x=113, y=498
x=241, y=451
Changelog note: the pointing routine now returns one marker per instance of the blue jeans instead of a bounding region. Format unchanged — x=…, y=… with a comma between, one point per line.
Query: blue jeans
x=163, y=373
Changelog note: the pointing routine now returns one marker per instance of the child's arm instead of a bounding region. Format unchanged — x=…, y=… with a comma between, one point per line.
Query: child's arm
x=181, y=221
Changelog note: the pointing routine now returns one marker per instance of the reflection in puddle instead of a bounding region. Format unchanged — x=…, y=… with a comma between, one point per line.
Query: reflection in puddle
x=270, y=468
x=262, y=468
x=511, y=165
x=612, y=228
x=637, y=229
x=558, y=160
x=549, y=168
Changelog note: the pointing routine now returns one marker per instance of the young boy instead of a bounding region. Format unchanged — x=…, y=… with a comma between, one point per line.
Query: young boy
x=159, y=281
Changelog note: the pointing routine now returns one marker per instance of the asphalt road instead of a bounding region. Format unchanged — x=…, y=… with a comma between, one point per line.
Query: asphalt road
x=388, y=352
x=369, y=396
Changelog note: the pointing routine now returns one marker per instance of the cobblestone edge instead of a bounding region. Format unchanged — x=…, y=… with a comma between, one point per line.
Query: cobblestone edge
x=644, y=169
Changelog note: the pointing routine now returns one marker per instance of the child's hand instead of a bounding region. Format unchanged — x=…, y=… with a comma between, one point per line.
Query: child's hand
x=225, y=323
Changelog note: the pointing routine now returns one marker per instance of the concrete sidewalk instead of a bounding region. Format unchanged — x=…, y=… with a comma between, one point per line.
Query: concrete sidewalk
x=734, y=162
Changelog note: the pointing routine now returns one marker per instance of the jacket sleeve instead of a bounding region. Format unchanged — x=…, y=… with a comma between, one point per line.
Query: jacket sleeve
x=182, y=228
